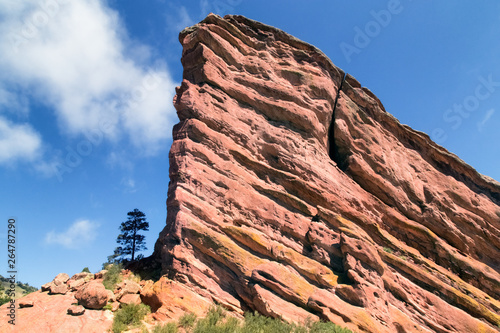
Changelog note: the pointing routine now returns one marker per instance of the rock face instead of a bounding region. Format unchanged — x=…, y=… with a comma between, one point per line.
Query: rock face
x=171, y=299
x=294, y=193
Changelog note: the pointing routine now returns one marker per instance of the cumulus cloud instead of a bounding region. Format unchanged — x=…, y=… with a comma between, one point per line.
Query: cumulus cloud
x=79, y=234
x=75, y=56
x=18, y=142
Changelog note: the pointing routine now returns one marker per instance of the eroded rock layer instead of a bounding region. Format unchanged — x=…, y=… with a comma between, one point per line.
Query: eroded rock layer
x=294, y=193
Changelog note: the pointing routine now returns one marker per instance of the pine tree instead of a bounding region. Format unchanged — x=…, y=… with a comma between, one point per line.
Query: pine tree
x=129, y=238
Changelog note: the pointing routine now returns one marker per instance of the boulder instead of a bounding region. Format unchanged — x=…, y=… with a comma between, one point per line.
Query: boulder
x=79, y=279
x=46, y=287
x=115, y=306
x=83, y=275
x=130, y=299
x=75, y=284
x=93, y=295
x=127, y=287
x=60, y=279
x=100, y=274
x=25, y=303
x=60, y=289
x=111, y=295
x=76, y=310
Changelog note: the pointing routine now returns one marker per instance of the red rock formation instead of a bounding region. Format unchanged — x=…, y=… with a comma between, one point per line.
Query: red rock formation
x=294, y=193
x=49, y=310
x=49, y=313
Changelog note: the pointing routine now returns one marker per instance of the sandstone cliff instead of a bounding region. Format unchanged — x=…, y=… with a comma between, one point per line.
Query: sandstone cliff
x=294, y=193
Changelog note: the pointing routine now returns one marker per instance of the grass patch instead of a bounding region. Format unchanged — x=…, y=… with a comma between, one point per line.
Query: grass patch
x=217, y=321
x=187, y=320
x=388, y=250
x=322, y=327
x=129, y=315
x=112, y=276
x=167, y=328
x=256, y=323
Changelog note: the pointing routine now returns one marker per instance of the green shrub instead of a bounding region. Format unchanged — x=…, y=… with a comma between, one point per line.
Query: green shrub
x=388, y=250
x=129, y=315
x=85, y=270
x=328, y=327
x=112, y=276
x=187, y=320
x=209, y=323
x=167, y=328
x=229, y=325
x=4, y=299
x=217, y=321
x=256, y=323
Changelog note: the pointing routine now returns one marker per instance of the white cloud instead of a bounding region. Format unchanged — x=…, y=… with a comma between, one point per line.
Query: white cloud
x=77, y=58
x=18, y=142
x=78, y=235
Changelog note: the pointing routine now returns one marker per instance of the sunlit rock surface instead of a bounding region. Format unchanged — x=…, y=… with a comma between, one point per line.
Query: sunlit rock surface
x=294, y=193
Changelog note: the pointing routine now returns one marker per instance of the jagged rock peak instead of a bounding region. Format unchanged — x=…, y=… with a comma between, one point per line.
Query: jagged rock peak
x=294, y=193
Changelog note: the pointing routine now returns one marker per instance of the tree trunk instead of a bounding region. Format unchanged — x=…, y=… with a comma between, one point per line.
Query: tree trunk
x=133, y=240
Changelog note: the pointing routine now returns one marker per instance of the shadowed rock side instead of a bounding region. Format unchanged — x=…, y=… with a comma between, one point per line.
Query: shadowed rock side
x=390, y=234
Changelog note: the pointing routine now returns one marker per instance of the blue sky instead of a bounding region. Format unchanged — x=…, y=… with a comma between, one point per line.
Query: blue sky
x=86, y=113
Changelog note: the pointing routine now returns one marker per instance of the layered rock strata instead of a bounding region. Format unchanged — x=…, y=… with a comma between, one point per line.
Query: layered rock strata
x=294, y=193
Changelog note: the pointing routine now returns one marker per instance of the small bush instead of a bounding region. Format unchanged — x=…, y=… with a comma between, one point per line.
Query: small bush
x=388, y=250
x=322, y=327
x=256, y=323
x=187, y=320
x=112, y=276
x=129, y=315
x=167, y=328
x=217, y=321
x=4, y=299
x=209, y=323
x=85, y=270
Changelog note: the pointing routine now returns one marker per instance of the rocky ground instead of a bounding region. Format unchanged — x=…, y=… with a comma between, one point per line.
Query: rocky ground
x=83, y=304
